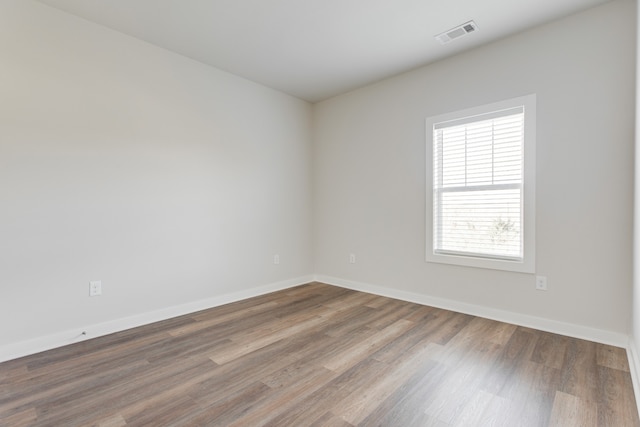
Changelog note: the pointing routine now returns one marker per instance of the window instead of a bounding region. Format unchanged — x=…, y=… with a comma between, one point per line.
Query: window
x=482, y=186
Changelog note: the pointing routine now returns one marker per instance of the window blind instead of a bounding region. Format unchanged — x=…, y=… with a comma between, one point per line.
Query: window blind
x=478, y=185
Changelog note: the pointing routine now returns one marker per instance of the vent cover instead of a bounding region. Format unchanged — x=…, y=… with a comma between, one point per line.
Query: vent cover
x=457, y=32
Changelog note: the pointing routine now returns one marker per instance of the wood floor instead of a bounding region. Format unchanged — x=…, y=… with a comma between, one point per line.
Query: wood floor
x=318, y=355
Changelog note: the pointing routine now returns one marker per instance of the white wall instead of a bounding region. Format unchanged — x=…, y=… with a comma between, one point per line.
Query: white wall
x=170, y=181
x=369, y=153
x=635, y=336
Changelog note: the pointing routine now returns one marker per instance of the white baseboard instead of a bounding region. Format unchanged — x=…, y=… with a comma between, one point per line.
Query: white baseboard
x=577, y=331
x=36, y=345
x=48, y=342
x=634, y=368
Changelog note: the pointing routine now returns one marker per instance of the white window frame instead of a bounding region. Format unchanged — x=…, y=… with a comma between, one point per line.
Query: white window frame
x=528, y=263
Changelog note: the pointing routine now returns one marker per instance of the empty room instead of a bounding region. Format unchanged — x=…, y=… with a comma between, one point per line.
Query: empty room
x=304, y=213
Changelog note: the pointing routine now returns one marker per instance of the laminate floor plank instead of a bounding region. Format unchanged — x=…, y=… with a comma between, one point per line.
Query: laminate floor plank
x=517, y=350
x=209, y=321
x=392, y=312
x=318, y=355
x=105, y=344
x=465, y=373
x=360, y=404
x=262, y=338
x=612, y=357
x=424, y=334
x=406, y=405
x=579, y=375
x=612, y=403
x=330, y=420
x=571, y=411
x=282, y=399
x=362, y=322
x=344, y=322
x=163, y=412
x=317, y=404
x=484, y=409
x=362, y=349
x=349, y=300
x=530, y=394
x=411, y=408
x=158, y=384
x=18, y=419
x=550, y=350
x=62, y=390
x=112, y=421
x=226, y=407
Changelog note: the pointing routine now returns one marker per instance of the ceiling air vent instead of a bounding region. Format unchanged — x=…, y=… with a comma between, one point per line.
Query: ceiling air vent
x=457, y=32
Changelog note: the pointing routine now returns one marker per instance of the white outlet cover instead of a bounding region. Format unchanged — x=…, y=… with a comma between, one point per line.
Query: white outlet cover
x=95, y=288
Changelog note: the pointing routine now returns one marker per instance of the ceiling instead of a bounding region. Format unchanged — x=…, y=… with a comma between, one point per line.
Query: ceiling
x=316, y=49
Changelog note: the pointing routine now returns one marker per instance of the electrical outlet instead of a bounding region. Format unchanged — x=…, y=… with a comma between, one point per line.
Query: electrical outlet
x=541, y=283
x=352, y=258
x=276, y=259
x=95, y=288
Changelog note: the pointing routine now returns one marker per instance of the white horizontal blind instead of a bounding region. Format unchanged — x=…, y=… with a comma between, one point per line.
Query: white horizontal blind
x=478, y=185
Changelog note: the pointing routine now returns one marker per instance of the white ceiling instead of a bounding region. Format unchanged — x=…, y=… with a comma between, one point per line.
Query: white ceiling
x=315, y=49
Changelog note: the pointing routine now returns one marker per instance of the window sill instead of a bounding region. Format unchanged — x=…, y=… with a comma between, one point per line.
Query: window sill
x=486, y=263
